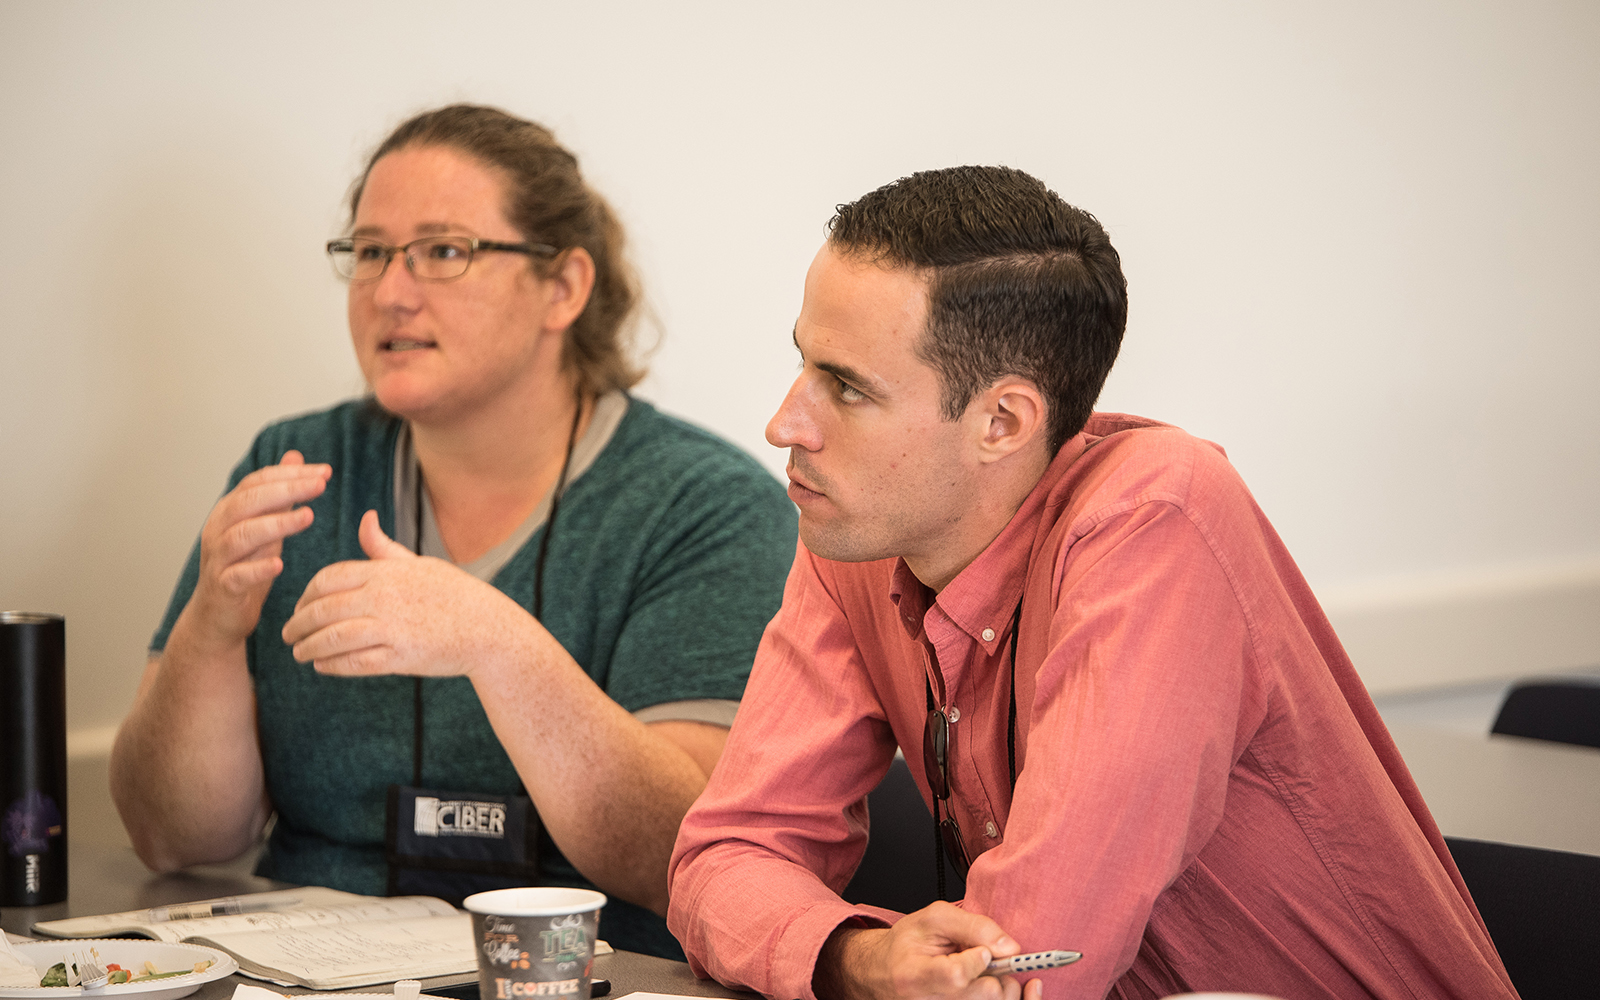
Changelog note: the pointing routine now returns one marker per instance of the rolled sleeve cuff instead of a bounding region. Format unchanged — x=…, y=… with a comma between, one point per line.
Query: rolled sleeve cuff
x=795, y=960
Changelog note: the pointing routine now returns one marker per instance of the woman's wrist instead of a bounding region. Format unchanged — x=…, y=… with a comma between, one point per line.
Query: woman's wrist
x=199, y=633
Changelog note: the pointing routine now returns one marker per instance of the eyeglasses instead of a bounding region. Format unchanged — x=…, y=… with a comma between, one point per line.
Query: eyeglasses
x=936, y=765
x=432, y=258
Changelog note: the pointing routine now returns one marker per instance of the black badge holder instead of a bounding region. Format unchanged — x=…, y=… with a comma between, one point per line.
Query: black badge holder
x=452, y=844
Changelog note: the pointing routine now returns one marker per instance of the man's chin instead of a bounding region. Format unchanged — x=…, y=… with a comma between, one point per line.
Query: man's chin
x=836, y=544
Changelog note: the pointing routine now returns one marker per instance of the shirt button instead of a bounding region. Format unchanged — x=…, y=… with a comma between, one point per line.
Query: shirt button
x=988, y=635
x=991, y=829
x=955, y=715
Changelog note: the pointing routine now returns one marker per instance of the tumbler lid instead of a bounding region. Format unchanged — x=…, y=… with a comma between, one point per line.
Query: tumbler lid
x=28, y=618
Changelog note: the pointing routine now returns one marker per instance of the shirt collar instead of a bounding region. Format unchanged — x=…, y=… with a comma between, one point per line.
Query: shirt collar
x=983, y=597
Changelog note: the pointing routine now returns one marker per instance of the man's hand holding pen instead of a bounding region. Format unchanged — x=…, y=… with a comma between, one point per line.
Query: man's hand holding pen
x=938, y=951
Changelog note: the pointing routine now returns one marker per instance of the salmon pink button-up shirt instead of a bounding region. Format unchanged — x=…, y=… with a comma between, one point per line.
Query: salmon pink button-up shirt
x=1206, y=798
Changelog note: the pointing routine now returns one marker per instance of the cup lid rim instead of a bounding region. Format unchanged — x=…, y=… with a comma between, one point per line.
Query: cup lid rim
x=499, y=902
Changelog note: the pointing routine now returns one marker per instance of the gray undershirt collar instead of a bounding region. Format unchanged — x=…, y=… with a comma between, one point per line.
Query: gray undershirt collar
x=609, y=409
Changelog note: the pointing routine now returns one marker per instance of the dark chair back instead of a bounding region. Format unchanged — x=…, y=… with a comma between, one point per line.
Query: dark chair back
x=897, y=871
x=1542, y=909
x=1564, y=711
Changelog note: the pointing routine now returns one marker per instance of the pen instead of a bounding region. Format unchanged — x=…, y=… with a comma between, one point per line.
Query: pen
x=1031, y=962
x=226, y=906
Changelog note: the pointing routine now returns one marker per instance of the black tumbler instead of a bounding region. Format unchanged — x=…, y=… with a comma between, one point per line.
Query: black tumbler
x=33, y=759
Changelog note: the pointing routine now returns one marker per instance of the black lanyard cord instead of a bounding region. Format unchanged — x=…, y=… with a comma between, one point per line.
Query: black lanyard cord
x=1011, y=746
x=555, y=505
x=416, y=686
x=538, y=577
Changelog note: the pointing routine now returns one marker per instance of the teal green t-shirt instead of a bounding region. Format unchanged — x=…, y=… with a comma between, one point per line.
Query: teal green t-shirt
x=666, y=560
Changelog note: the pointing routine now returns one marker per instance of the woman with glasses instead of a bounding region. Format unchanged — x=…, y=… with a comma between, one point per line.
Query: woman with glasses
x=487, y=625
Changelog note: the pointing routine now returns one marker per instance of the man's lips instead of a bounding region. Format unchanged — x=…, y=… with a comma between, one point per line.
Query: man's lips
x=799, y=491
x=800, y=494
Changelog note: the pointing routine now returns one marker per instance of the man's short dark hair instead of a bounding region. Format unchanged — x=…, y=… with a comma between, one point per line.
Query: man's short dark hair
x=1020, y=283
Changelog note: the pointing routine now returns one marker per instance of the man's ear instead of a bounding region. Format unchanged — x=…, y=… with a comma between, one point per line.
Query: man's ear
x=1009, y=416
x=569, y=284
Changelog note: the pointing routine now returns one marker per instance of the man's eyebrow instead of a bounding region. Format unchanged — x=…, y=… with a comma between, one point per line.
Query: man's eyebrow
x=843, y=373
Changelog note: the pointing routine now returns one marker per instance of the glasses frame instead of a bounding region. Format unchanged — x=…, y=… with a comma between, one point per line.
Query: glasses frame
x=936, y=765
x=347, y=244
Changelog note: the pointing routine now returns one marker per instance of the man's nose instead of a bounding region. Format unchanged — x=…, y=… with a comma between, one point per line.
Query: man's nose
x=792, y=426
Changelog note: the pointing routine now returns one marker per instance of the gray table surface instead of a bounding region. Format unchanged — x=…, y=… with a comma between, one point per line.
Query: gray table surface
x=1506, y=788
x=110, y=879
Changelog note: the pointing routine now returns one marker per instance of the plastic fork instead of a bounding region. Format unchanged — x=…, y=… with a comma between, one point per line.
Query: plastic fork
x=90, y=975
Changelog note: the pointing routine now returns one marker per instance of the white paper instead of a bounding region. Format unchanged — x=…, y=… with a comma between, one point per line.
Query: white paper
x=310, y=898
x=327, y=940
x=344, y=955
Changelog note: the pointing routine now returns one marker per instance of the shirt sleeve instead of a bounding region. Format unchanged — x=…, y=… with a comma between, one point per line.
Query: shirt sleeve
x=1142, y=703
x=781, y=826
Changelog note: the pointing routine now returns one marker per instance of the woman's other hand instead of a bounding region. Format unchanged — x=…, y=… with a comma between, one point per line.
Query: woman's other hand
x=400, y=613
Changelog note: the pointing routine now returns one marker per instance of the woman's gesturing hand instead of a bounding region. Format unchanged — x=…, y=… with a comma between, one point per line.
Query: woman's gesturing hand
x=400, y=613
x=241, y=543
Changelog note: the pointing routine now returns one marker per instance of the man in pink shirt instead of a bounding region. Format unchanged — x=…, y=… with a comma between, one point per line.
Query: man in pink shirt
x=1110, y=681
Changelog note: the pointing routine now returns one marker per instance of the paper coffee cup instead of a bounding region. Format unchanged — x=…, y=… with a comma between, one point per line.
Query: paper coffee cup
x=535, y=942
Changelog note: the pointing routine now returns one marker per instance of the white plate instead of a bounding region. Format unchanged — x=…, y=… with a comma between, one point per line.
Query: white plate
x=131, y=954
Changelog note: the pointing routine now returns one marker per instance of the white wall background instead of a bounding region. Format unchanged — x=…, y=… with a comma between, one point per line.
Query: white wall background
x=1362, y=242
